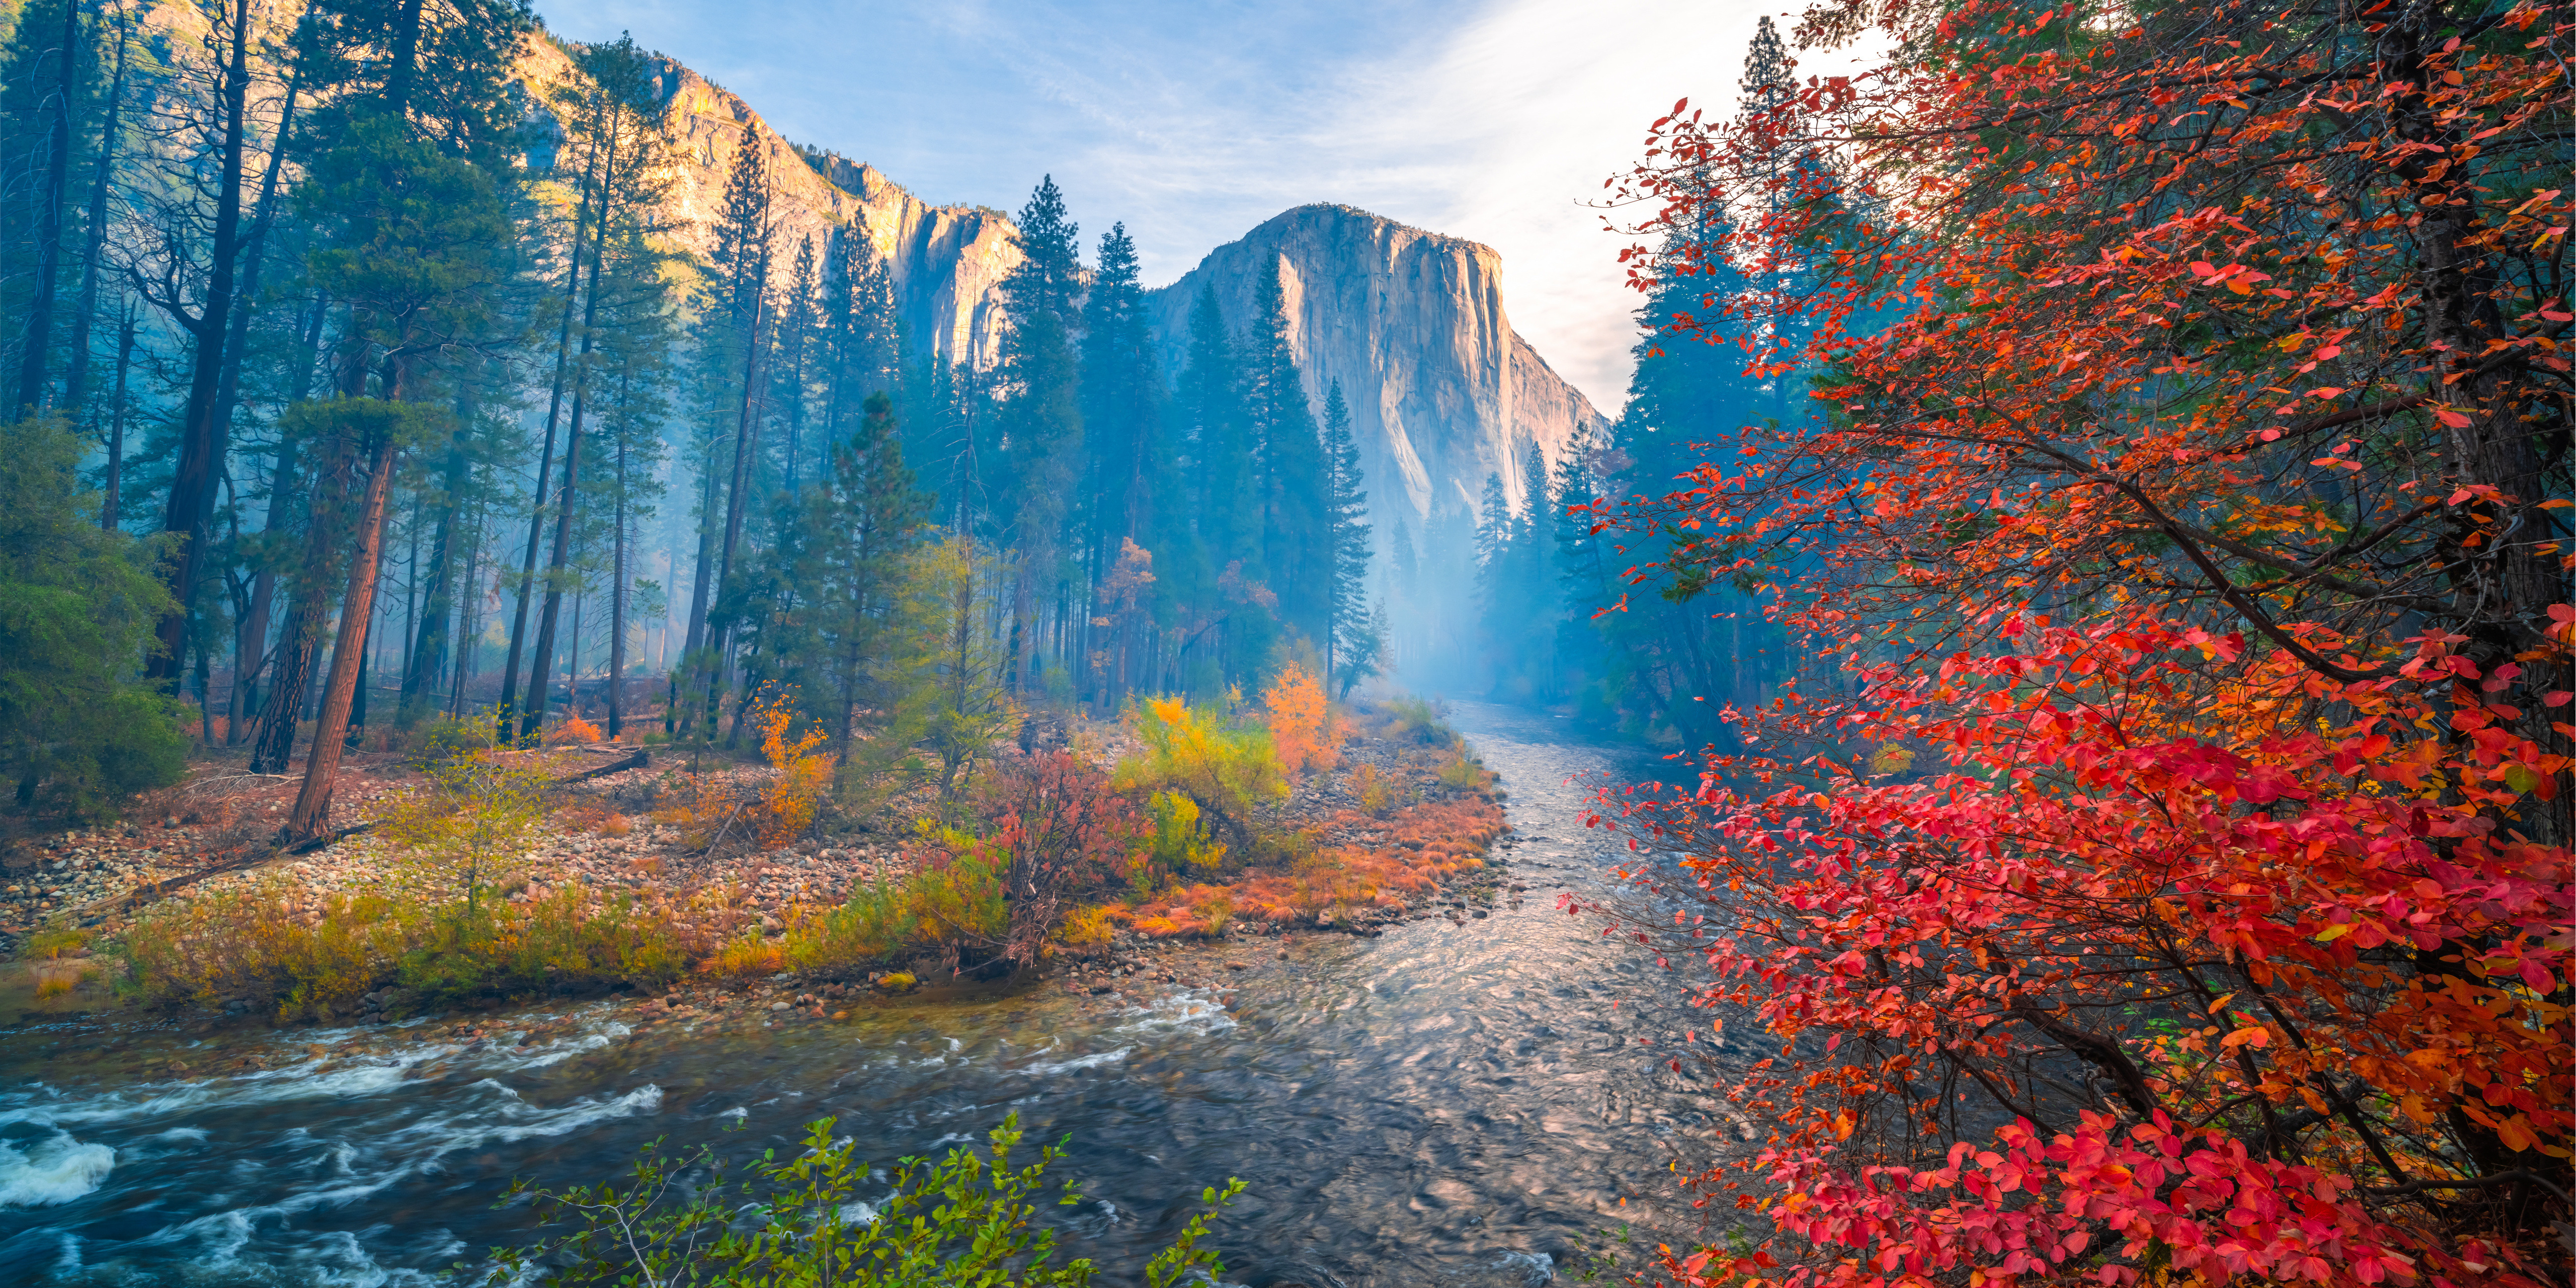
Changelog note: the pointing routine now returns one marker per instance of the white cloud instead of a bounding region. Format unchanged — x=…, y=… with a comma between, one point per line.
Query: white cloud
x=1194, y=121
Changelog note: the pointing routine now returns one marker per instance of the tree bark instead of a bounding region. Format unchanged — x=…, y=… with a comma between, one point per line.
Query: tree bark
x=429, y=643
x=49, y=235
x=536, y=704
x=281, y=502
x=312, y=815
x=293, y=656
x=617, y=583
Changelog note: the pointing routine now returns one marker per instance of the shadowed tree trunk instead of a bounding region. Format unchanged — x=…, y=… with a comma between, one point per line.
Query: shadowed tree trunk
x=312, y=816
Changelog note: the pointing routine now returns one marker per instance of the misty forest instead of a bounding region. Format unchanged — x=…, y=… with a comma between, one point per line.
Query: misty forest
x=543, y=623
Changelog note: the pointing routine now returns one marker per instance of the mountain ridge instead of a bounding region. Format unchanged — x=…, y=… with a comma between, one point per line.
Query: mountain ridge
x=1443, y=391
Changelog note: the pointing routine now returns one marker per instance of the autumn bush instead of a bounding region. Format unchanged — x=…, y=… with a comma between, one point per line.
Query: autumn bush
x=1408, y=719
x=1304, y=729
x=1226, y=769
x=573, y=731
x=1042, y=833
x=786, y=807
x=2173, y=885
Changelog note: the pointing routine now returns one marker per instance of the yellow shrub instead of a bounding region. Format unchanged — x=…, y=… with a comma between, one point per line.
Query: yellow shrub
x=271, y=945
x=1461, y=771
x=52, y=943
x=1373, y=793
x=1226, y=771
x=1180, y=836
x=1084, y=928
x=748, y=954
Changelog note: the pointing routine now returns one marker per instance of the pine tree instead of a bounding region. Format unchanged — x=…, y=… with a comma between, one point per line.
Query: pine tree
x=1042, y=413
x=50, y=61
x=863, y=353
x=1123, y=424
x=631, y=377
x=1296, y=535
x=793, y=375
x=1346, y=516
x=734, y=333
x=442, y=67
x=626, y=135
x=858, y=526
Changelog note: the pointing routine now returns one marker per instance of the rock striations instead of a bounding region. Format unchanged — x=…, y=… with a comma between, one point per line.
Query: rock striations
x=1442, y=391
x=948, y=261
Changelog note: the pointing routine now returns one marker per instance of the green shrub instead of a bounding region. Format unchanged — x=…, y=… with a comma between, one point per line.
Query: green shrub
x=964, y=1220
x=880, y=919
x=77, y=609
x=1182, y=840
x=952, y=905
x=53, y=941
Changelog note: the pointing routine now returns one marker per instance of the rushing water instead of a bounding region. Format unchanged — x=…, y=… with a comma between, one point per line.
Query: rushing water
x=1441, y=1105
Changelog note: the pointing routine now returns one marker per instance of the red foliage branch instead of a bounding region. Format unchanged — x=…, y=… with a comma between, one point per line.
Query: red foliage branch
x=2191, y=478
x=1064, y=831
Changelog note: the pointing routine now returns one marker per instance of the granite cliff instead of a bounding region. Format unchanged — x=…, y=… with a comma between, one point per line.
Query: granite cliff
x=948, y=261
x=1442, y=391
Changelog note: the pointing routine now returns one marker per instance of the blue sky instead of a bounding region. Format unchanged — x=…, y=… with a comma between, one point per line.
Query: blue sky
x=1493, y=121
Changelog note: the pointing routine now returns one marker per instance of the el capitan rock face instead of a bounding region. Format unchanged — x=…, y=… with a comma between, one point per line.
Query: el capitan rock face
x=1442, y=391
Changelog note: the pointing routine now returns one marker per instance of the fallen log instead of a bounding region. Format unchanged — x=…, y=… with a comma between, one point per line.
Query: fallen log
x=638, y=760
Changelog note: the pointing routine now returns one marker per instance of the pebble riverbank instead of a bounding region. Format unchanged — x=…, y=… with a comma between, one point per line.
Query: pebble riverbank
x=212, y=833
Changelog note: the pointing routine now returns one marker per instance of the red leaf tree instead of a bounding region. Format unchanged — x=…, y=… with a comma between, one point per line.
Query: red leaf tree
x=2179, y=887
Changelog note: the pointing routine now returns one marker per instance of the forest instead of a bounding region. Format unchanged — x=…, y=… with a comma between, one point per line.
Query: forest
x=389, y=376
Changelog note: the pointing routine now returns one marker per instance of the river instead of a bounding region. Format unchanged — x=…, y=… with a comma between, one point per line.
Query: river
x=1443, y=1105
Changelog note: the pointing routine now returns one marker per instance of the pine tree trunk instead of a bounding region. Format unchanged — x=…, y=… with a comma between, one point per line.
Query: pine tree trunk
x=428, y=660
x=292, y=658
x=201, y=435
x=617, y=582
x=108, y=515
x=312, y=816
x=545, y=462
x=94, y=239
x=536, y=702
x=698, y=588
x=263, y=594
x=49, y=243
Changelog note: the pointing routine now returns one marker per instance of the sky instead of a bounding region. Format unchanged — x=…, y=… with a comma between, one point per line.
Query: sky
x=1492, y=120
